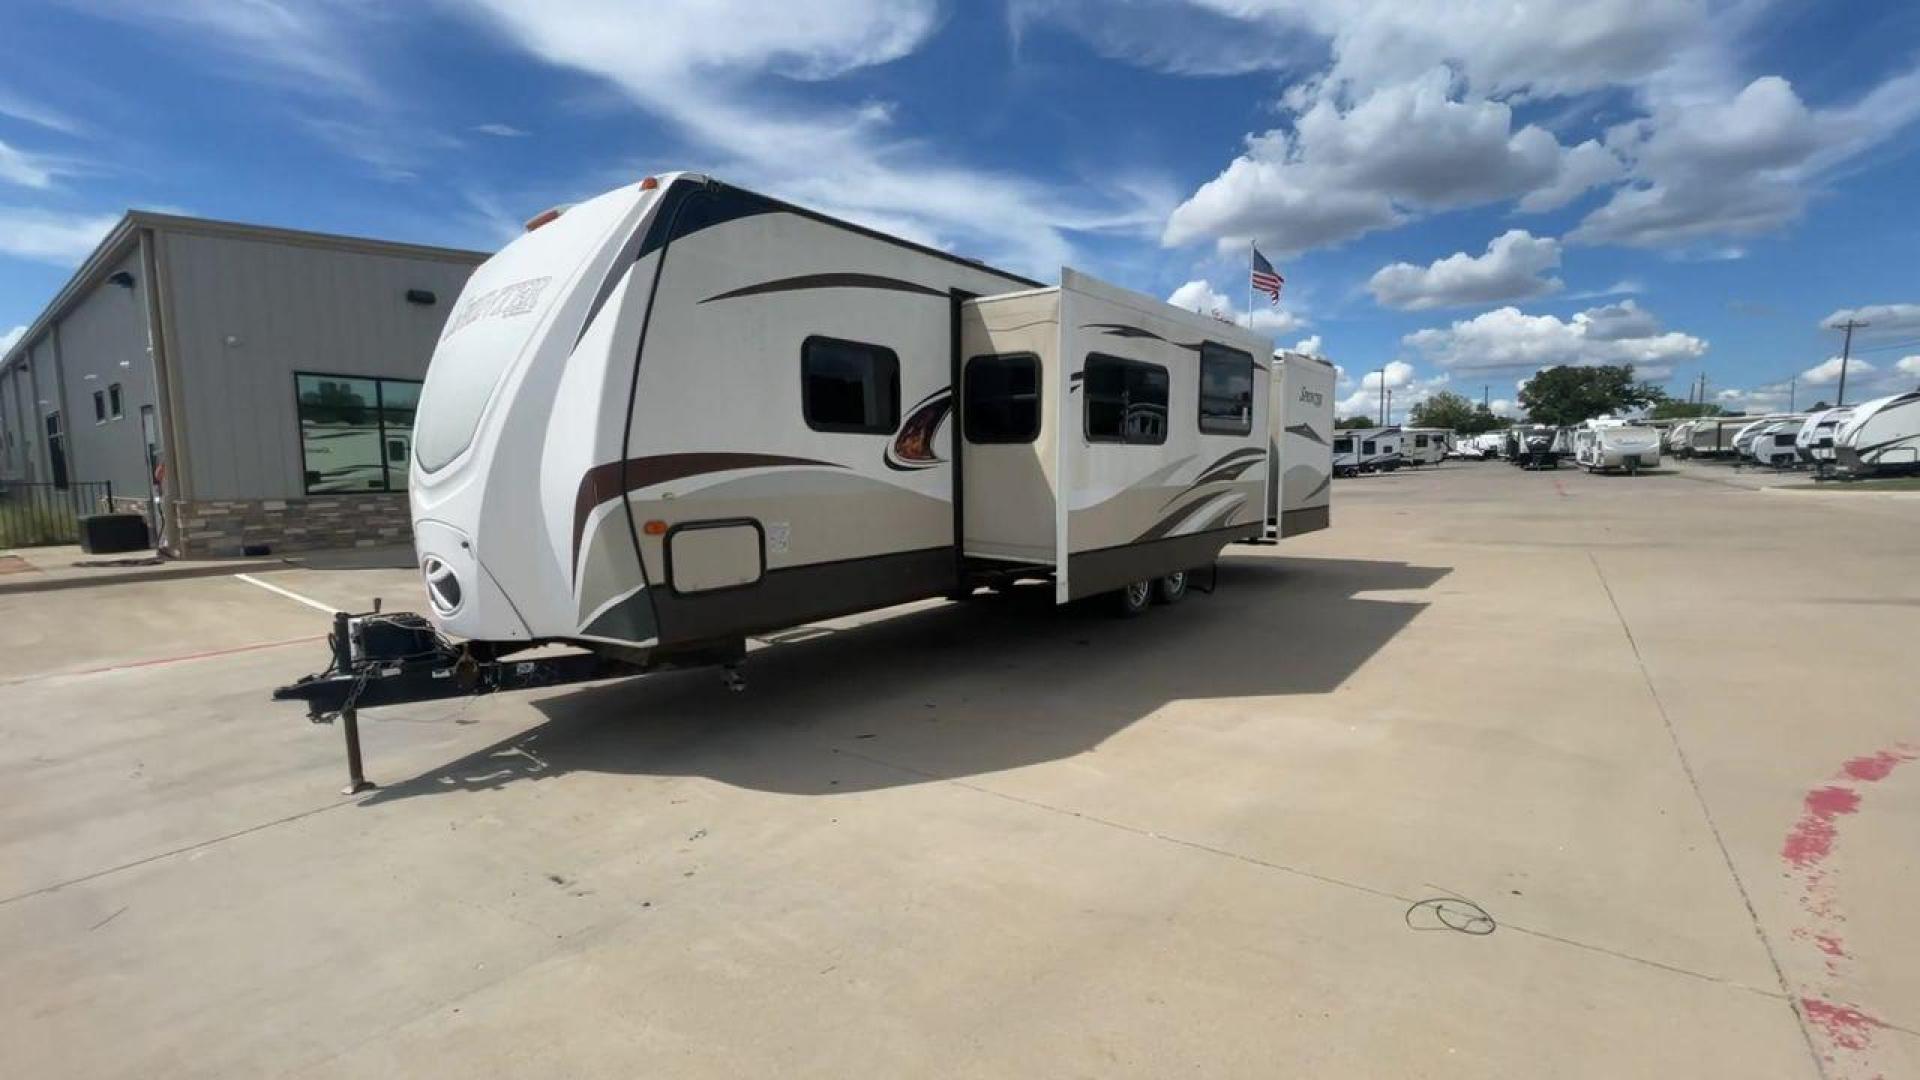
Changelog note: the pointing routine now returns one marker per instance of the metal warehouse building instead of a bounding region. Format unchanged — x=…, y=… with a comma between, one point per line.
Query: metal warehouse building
x=239, y=385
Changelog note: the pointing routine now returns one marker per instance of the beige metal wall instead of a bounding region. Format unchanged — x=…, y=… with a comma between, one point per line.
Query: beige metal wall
x=243, y=315
x=103, y=341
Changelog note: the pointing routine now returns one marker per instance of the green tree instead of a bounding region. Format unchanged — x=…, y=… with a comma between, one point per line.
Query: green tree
x=1567, y=395
x=1354, y=422
x=1447, y=409
x=1684, y=410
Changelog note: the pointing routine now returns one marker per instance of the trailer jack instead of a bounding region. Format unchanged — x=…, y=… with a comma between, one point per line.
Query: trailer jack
x=393, y=659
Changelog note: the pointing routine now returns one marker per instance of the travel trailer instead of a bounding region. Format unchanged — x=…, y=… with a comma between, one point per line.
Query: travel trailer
x=1366, y=450
x=681, y=413
x=1607, y=445
x=1713, y=436
x=1301, y=412
x=1882, y=436
x=1535, y=446
x=1425, y=446
x=1814, y=444
x=1678, y=440
x=1775, y=444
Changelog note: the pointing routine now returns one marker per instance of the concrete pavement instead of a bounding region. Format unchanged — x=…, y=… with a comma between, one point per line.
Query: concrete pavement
x=1660, y=732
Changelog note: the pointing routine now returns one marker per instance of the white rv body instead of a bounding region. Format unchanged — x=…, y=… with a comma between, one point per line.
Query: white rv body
x=1882, y=436
x=1606, y=445
x=1425, y=446
x=1300, y=481
x=1814, y=443
x=681, y=412
x=1775, y=444
x=1376, y=449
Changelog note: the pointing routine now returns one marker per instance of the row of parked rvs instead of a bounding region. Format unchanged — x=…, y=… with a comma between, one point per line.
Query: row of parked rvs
x=1384, y=449
x=1877, y=437
x=1603, y=445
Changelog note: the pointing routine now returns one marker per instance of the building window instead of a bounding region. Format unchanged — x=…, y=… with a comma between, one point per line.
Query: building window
x=1226, y=390
x=355, y=434
x=57, y=450
x=113, y=401
x=1126, y=401
x=849, y=388
x=99, y=406
x=1003, y=398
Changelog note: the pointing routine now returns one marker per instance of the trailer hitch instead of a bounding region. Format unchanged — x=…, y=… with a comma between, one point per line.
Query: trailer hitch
x=399, y=658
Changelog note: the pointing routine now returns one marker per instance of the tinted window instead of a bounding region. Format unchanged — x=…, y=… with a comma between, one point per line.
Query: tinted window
x=1126, y=400
x=1226, y=390
x=1343, y=446
x=113, y=400
x=1367, y=447
x=99, y=406
x=1419, y=440
x=355, y=433
x=849, y=387
x=1003, y=399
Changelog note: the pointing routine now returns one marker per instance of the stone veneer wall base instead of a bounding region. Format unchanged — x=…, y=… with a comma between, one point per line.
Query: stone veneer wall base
x=223, y=527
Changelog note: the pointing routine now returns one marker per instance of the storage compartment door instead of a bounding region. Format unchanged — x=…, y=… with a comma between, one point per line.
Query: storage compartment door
x=707, y=556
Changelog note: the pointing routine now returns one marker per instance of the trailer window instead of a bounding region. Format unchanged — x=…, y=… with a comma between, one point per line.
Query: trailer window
x=1343, y=446
x=850, y=388
x=1003, y=398
x=355, y=432
x=1126, y=401
x=1226, y=390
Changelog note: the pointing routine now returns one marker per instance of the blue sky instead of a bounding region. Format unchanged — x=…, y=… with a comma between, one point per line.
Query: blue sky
x=1459, y=193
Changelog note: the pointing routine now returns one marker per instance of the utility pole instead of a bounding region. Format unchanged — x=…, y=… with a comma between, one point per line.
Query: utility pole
x=1846, y=353
x=1383, y=396
x=1793, y=392
x=1483, y=398
x=1388, y=414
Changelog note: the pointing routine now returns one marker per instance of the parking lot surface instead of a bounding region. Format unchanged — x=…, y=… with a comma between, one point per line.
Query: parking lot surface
x=1506, y=774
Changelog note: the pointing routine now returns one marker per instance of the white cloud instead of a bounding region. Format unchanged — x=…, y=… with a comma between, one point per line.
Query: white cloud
x=1705, y=168
x=1311, y=345
x=315, y=49
x=1406, y=110
x=712, y=72
x=22, y=169
x=51, y=237
x=1828, y=371
x=37, y=114
x=1623, y=321
x=1512, y=269
x=1200, y=296
x=1505, y=338
x=1345, y=170
x=504, y=131
x=1883, y=320
x=11, y=338
x=1502, y=407
x=1909, y=365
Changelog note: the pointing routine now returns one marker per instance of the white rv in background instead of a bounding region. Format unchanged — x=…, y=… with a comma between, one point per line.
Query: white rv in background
x=1713, y=436
x=1366, y=450
x=1425, y=446
x=1882, y=436
x=1814, y=444
x=1606, y=445
x=1775, y=443
x=1678, y=440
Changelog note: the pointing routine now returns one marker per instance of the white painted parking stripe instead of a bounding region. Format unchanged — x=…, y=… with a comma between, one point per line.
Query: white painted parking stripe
x=288, y=593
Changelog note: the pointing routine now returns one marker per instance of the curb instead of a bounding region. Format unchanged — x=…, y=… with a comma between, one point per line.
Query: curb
x=131, y=577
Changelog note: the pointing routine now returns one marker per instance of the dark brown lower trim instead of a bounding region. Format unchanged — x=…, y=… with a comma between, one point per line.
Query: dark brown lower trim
x=1305, y=520
x=1091, y=572
x=801, y=594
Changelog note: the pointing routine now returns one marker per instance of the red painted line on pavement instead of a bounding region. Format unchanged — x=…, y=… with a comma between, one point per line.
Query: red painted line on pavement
x=1847, y=1031
x=1559, y=487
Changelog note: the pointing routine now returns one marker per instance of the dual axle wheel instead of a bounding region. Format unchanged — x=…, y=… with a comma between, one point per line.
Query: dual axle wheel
x=1134, y=599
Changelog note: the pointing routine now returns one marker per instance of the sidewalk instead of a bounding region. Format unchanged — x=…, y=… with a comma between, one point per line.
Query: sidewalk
x=45, y=569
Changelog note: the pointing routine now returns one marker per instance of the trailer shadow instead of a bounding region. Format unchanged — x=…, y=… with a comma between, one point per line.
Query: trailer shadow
x=960, y=690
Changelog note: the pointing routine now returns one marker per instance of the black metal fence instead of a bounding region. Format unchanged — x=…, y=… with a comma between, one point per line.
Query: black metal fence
x=38, y=514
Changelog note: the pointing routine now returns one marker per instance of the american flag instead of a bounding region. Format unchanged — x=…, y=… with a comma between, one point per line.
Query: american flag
x=1265, y=278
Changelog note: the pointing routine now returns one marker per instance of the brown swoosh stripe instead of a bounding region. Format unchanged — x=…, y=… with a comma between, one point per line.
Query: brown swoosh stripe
x=827, y=281
x=616, y=478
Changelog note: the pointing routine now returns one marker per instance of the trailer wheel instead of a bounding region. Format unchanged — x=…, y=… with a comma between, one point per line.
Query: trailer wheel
x=1170, y=589
x=1133, y=600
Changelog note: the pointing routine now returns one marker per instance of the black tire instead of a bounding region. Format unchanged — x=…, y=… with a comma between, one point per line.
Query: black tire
x=1170, y=589
x=1133, y=600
